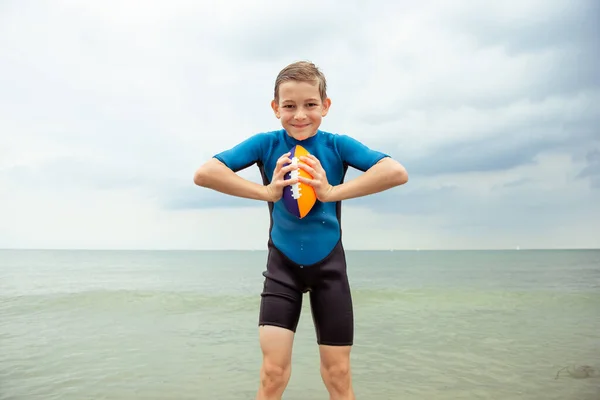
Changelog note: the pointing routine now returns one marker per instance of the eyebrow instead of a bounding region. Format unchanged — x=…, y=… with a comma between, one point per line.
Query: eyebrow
x=292, y=101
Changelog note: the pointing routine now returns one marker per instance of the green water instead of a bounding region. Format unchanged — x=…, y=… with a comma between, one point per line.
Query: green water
x=182, y=325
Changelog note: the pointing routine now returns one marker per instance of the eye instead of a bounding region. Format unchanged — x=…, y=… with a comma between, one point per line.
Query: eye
x=312, y=104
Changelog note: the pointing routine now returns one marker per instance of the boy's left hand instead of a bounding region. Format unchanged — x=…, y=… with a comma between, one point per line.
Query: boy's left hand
x=319, y=181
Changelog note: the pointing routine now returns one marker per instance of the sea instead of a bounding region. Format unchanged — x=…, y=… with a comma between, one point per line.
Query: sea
x=429, y=325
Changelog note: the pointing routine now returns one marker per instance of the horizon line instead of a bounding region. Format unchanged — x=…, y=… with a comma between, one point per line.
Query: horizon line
x=265, y=249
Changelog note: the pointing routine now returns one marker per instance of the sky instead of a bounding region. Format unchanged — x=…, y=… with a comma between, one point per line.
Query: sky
x=108, y=107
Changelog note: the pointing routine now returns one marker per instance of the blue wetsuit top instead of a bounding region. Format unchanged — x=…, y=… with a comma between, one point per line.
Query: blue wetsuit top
x=310, y=239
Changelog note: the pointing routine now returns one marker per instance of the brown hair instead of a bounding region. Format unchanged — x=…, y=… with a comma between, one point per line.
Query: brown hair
x=302, y=71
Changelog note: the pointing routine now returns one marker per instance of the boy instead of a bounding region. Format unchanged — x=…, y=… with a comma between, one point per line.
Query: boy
x=305, y=255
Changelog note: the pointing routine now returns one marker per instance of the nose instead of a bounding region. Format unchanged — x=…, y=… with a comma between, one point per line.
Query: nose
x=300, y=115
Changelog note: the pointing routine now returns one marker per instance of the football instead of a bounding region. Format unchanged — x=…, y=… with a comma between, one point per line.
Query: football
x=298, y=198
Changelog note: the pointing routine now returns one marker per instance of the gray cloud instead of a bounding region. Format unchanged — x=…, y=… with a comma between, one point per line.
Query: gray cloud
x=550, y=52
x=194, y=197
x=482, y=155
x=469, y=156
x=276, y=37
x=70, y=172
x=517, y=204
x=407, y=200
x=515, y=183
x=560, y=25
x=592, y=170
x=499, y=151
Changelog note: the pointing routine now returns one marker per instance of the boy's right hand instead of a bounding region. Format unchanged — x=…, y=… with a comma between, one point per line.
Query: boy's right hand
x=275, y=188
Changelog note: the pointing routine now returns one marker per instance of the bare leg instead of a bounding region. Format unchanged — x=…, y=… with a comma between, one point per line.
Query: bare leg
x=276, y=345
x=335, y=371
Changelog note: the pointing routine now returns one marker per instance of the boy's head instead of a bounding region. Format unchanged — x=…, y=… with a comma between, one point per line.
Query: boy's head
x=302, y=71
x=300, y=99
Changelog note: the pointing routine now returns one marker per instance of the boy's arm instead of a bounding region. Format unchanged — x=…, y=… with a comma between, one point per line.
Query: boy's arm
x=220, y=172
x=385, y=174
x=217, y=176
x=380, y=172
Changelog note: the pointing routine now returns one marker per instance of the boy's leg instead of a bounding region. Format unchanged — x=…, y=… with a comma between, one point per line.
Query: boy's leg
x=333, y=316
x=280, y=309
x=335, y=371
x=334, y=323
x=276, y=345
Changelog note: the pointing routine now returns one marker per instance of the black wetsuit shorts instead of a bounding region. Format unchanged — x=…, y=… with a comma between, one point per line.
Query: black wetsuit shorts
x=329, y=291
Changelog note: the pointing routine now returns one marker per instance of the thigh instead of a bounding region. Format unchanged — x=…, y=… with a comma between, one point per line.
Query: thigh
x=333, y=316
x=280, y=305
x=276, y=345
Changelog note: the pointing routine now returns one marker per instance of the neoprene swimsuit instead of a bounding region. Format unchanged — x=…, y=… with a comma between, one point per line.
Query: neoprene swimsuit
x=306, y=255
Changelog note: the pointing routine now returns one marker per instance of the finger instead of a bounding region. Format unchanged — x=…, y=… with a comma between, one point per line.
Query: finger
x=286, y=169
x=289, y=167
x=309, y=169
x=307, y=160
x=283, y=159
x=287, y=182
x=281, y=167
x=314, y=159
x=308, y=181
x=315, y=164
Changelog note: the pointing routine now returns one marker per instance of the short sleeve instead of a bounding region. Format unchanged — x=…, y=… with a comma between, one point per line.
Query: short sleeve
x=244, y=154
x=358, y=155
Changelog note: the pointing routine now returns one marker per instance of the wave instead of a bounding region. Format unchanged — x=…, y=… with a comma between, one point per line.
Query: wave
x=115, y=300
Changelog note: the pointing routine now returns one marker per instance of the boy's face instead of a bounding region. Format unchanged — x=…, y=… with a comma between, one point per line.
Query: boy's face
x=300, y=108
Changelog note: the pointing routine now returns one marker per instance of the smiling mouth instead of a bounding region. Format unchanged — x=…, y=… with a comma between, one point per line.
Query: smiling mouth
x=300, y=125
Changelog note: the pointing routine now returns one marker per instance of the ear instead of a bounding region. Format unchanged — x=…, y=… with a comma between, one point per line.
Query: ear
x=326, y=105
x=275, y=107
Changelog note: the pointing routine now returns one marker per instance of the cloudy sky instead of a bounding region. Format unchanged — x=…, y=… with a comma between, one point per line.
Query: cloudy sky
x=108, y=107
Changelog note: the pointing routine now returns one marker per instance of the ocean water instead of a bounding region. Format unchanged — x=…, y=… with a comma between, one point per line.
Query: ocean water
x=182, y=325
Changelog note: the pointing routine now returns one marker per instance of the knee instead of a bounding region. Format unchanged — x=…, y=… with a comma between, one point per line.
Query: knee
x=274, y=377
x=337, y=375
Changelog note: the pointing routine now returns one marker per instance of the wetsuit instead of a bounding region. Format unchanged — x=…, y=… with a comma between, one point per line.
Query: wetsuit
x=306, y=255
